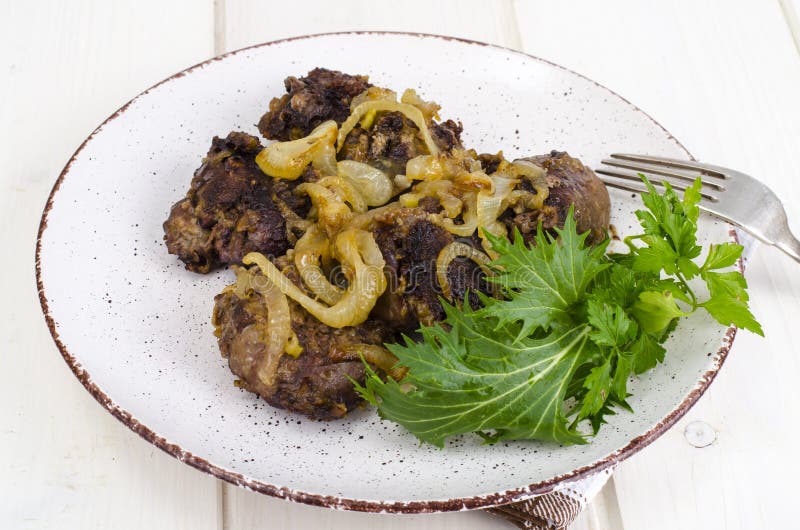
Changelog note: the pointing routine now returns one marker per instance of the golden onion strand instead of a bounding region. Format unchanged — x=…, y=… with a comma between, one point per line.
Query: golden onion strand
x=448, y=254
x=373, y=354
x=383, y=105
x=355, y=249
x=307, y=254
x=288, y=160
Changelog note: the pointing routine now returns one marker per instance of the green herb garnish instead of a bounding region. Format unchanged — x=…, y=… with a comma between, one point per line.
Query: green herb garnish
x=574, y=324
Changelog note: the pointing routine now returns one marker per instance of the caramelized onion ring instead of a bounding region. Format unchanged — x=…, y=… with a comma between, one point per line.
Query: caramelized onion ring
x=374, y=185
x=451, y=252
x=355, y=249
x=278, y=336
x=469, y=216
x=332, y=212
x=344, y=189
x=491, y=204
x=288, y=160
x=383, y=105
x=440, y=189
x=307, y=253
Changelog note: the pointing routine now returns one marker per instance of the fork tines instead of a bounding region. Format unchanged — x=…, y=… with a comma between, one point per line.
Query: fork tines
x=622, y=171
x=728, y=194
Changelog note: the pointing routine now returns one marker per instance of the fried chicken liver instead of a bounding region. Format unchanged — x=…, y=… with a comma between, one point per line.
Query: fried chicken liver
x=231, y=208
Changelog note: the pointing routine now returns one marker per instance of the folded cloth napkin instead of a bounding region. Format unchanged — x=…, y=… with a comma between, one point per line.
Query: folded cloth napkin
x=557, y=509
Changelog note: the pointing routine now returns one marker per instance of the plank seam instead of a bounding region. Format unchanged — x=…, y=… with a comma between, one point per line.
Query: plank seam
x=516, y=35
x=792, y=20
x=219, y=27
x=220, y=47
x=613, y=508
x=224, y=517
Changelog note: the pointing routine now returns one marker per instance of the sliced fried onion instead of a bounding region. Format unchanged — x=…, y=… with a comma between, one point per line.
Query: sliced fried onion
x=451, y=252
x=293, y=347
x=373, y=184
x=373, y=93
x=450, y=165
x=358, y=252
x=288, y=160
x=308, y=251
x=490, y=204
x=533, y=174
x=425, y=167
x=345, y=189
x=331, y=210
x=457, y=180
x=383, y=105
x=366, y=220
x=469, y=217
x=476, y=180
x=440, y=189
x=373, y=354
x=429, y=109
x=278, y=336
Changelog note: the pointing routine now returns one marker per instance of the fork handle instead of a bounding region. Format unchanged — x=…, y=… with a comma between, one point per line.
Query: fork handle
x=789, y=245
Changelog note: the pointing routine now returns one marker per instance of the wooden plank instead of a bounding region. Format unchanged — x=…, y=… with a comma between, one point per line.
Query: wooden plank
x=724, y=78
x=66, y=462
x=791, y=12
x=704, y=71
x=248, y=22
x=245, y=509
x=602, y=513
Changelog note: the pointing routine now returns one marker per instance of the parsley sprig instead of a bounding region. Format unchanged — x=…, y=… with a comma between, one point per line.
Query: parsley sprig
x=557, y=350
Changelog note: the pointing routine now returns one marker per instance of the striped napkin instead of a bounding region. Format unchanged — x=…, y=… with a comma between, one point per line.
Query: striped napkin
x=557, y=509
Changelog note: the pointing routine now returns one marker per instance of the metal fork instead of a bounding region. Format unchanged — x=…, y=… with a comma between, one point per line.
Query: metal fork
x=729, y=194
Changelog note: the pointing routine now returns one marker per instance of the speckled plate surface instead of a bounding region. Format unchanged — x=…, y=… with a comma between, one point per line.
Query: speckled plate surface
x=135, y=326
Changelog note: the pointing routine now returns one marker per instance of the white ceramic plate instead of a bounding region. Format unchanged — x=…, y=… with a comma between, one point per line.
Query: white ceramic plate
x=135, y=326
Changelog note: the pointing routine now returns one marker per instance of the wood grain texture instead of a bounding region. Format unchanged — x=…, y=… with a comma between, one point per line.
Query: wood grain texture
x=722, y=75
x=724, y=78
x=67, y=463
x=791, y=12
x=245, y=510
x=250, y=22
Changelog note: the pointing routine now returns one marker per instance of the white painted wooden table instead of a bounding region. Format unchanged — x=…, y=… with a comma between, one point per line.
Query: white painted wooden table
x=723, y=76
